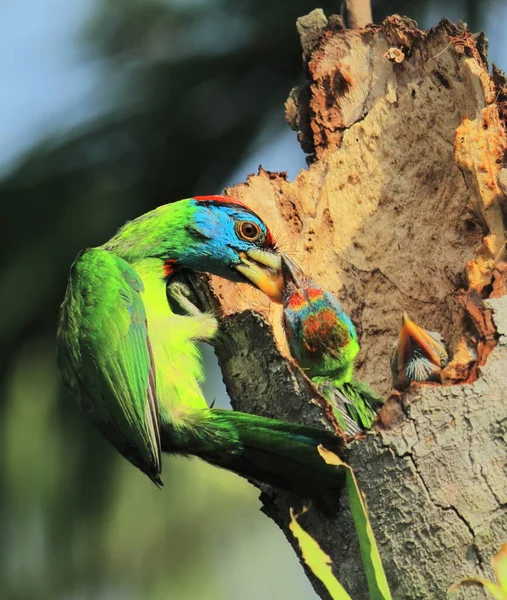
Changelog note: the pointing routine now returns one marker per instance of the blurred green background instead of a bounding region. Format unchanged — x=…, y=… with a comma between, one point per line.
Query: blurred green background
x=109, y=108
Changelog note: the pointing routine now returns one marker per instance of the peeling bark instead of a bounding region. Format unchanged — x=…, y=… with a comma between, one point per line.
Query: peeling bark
x=402, y=208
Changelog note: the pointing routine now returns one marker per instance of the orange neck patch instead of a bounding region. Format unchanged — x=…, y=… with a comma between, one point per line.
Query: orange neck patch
x=298, y=299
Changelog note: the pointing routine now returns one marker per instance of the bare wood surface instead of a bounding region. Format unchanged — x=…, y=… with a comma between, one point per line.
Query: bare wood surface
x=402, y=208
x=358, y=13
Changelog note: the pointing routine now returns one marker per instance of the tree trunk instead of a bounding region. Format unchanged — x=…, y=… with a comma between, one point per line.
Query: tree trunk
x=402, y=208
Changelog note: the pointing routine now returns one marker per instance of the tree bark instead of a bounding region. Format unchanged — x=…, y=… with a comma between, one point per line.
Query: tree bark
x=402, y=208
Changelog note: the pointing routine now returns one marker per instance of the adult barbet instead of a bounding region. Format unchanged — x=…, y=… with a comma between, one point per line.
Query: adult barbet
x=134, y=365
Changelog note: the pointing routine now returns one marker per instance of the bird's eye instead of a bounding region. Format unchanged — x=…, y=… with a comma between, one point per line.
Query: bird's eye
x=248, y=231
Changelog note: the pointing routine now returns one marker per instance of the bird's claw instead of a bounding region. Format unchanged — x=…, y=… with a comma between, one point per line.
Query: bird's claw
x=201, y=326
x=180, y=293
x=179, y=289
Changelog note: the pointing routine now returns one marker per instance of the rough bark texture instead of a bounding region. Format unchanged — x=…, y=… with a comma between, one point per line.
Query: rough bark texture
x=402, y=208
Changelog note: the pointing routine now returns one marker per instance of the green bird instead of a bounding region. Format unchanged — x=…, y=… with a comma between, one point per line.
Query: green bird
x=323, y=341
x=134, y=365
x=418, y=355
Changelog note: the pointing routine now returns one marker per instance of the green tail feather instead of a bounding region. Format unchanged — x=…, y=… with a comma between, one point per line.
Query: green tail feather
x=281, y=454
x=354, y=404
x=340, y=404
x=364, y=404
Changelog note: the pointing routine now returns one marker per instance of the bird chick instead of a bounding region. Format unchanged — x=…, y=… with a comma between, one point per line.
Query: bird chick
x=418, y=355
x=323, y=341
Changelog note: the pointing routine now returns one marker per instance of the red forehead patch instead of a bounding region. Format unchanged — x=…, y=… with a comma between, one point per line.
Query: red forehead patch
x=299, y=299
x=314, y=292
x=222, y=200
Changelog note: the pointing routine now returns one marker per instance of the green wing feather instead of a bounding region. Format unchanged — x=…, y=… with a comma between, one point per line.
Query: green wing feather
x=341, y=406
x=105, y=356
x=364, y=404
x=352, y=397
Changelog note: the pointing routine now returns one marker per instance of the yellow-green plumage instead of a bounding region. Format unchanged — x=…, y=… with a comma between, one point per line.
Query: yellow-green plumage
x=134, y=365
x=105, y=356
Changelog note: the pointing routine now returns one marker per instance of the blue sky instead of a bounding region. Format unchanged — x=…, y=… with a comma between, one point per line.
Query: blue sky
x=52, y=84
x=49, y=83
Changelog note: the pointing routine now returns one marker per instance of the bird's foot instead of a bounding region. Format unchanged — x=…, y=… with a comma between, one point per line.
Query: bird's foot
x=201, y=326
x=180, y=293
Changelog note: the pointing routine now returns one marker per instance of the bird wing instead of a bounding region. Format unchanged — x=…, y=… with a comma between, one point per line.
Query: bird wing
x=342, y=407
x=364, y=404
x=105, y=356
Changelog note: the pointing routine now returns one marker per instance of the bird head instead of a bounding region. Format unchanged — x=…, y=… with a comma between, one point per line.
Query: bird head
x=320, y=335
x=418, y=355
x=205, y=234
x=231, y=241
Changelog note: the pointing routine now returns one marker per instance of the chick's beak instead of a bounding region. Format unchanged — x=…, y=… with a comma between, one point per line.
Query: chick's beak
x=291, y=272
x=410, y=335
x=263, y=269
x=294, y=279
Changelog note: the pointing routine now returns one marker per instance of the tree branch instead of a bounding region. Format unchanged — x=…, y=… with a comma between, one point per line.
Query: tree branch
x=358, y=13
x=402, y=208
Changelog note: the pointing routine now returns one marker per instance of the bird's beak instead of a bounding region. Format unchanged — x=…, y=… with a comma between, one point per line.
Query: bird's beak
x=263, y=269
x=410, y=335
x=291, y=272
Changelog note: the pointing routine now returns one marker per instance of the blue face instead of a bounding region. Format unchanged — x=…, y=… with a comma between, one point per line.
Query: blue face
x=221, y=231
